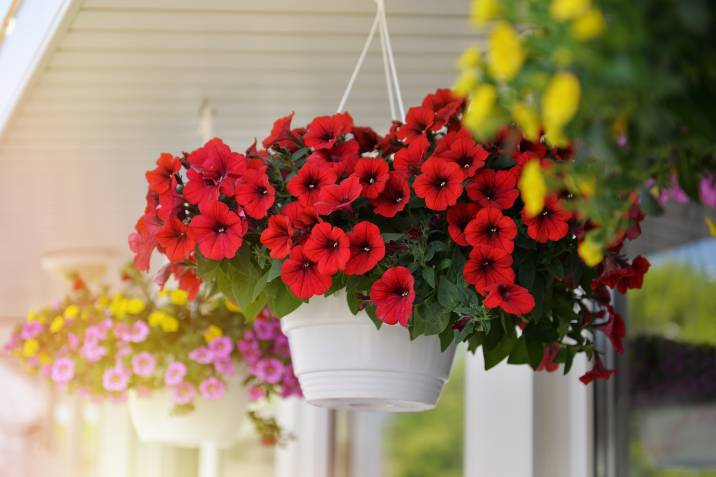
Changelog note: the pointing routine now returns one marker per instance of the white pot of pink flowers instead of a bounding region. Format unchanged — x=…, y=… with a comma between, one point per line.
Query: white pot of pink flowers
x=343, y=362
x=219, y=411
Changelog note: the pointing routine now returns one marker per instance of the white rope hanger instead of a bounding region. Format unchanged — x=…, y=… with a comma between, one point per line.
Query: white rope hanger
x=391, y=75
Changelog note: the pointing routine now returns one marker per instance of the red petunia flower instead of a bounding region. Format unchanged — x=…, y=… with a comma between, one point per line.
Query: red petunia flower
x=218, y=231
x=329, y=247
x=338, y=196
x=325, y=131
x=367, y=248
x=188, y=281
x=394, y=197
x=215, y=168
x=278, y=236
x=511, y=298
x=160, y=178
x=302, y=277
x=341, y=157
x=446, y=142
x=440, y=183
x=308, y=183
x=493, y=189
x=550, y=224
x=490, y=227
x=175, y=240
x=281, y=136
x=467, y=154
x=614, y=328
x=255, y=194
x=618, y=274
x=302, y=217
x=393, y=295
x=418, y=122
x=372, y=172
x=548, y=358
x=598, y=371
x=409, y=160
x=142, y=243
x=440, y=98
x=488, y=266
x=458, y=217
x=367, y=139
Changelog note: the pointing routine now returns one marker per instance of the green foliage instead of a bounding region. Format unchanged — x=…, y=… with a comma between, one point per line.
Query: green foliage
x=676, y=301
x=430, y=444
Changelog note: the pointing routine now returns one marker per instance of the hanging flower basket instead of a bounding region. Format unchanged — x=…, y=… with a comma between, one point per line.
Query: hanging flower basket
x=215, y=421
x=343, y=362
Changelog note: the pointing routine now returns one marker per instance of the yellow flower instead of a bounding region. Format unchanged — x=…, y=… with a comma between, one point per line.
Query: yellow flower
x=555, y=136
x=562, y=10
x=156, y=317
x=31, y=315
x=533, y=188
x=170, y=324
x=45, y=358
x=231, y=306
x=29, y=348
x=590, y=252
x=483, y=11
x=506, y=55
x=589, y=25
x=118, y=307
x=527, y=120
x=102, y=302
x=57, y=324
x=72, y=311
x=481, y=105
x=470, y=58
x=560, y=102
x=711, y=225
x=466, y=82
x=179, y=297
x=584, y=186
x=135, y=306
x=212, y=332
x=86, y=313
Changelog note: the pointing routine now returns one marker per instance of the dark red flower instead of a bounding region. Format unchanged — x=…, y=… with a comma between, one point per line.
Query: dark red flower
x=598, y=371
x=175, y=241
x=160, y=178
x=142, y=243
x=418, y=122
x=302, y=277
x=393, y=295
x=278, y=236
x=409, y=160
x=302, y=217
x=372, y=172
x=550, y=224
x=617, y=273
x=440, y=99
x=493, y=189
x=329, y=247
x=172, y=204
x=255, y=194
x=458, y=217
x=218, y=231
x=308, y=183
x=490, y=227
x=325, y=131
x=281, y=136
x=446, y=142
x=390, y=143
x=511, y=298
x=467, y=154
x=394, y=197
x=614, y=328
x=367, y=139
x=338, y=196
x=440, y=183
x=548, y=358
x=215, y=168
x=341, y=157
x=367, y=248
x=488, y=266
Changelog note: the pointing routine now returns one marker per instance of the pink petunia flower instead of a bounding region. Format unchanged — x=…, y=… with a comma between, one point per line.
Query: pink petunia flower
x=281, y=347
x=183, y=393
x=256, y=393
x=92, y=352
x=202, y=355
x=225, y=366
x=221, y=347
x=144, y=364
x=266, y=329
x=30, y=330
x=707, y=190
x=63, y=370
x=115, y=379
x=212, y=388
x=174, y=374
x=269, y=370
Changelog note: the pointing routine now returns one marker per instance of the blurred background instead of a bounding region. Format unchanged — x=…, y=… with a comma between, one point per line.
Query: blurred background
x=91, y=91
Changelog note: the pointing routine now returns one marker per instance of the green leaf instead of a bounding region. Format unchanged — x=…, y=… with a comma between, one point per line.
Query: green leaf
x=370, y=310
x=299, y=154
x=206, y=269
x=433, y=248
x=339, y=283
x=556, y=268
x=353, y=302
x=475, y=341
x=275, y=270
x=429, y=276
x=444, y=263
x=448, y=293
x=280, y=299
x=255, y=307
x=446, y=338
x=501, y=349
x=519, y=352
x=535, y=351
x=649, y=204
x=392, y=237
x=526, y=273
x=431, y=318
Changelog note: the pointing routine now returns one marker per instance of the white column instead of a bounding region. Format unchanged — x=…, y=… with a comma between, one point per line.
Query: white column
x=114, y=450
x=366, y=446
x=498, y=420
x=209, y=460
x=309, y=454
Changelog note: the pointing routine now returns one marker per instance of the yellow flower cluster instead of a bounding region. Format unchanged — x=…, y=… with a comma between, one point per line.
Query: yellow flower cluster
x=167, y=322
x=212, y=332
x=533, y=188
x=121, y=306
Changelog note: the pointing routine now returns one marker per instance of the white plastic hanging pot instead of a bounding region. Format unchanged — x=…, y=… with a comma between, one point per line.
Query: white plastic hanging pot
x=343, y=362
x=215, y=421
